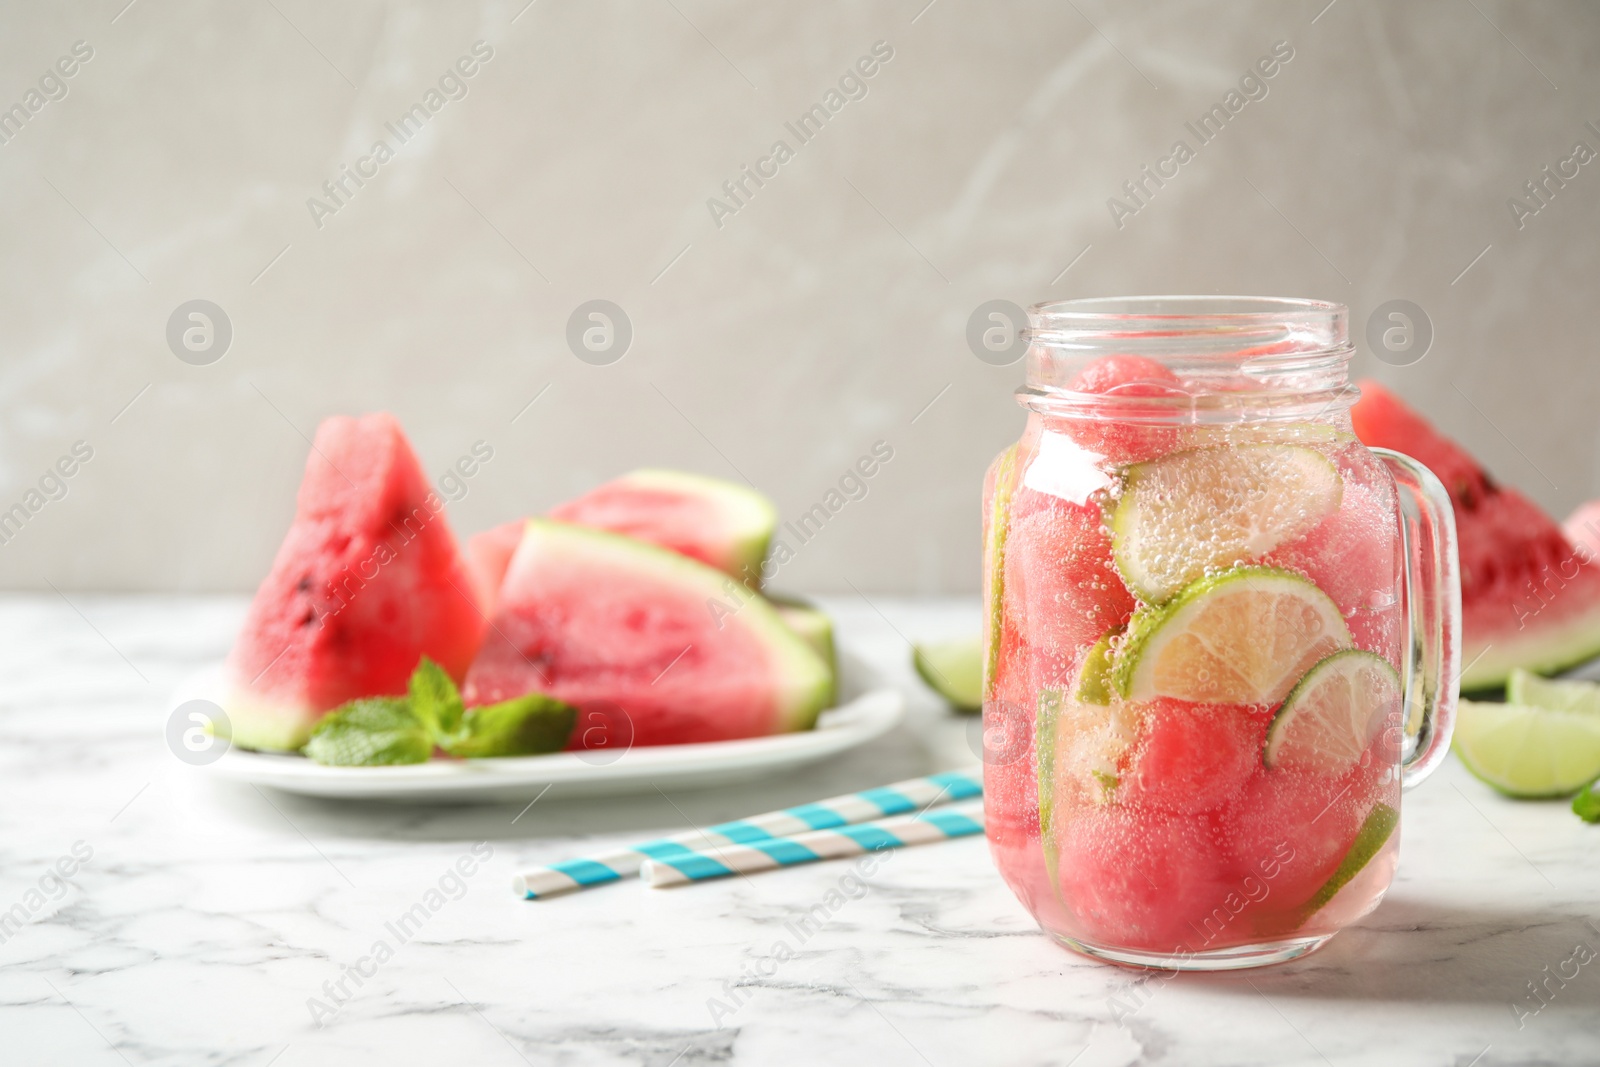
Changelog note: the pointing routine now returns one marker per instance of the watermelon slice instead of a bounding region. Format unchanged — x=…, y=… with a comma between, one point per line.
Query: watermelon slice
x=1530, y=598
x=1583, y=528
x=811, y=624
x=489, y=553
x=369, y=579
x=719, y=523
x=621, y=630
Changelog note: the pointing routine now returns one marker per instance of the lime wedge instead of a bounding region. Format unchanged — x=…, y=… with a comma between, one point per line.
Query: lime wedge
x=1527, y=751
x=1374, y=833
x=954, y=670
x=1094, y=678
x=1245, y=636
x=1192, y=513
x=1333, y=713
x=1586, y=805
x=994, y=558
x=1525, y=687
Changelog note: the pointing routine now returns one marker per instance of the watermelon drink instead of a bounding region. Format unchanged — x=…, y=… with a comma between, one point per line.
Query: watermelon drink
x=1205, y=681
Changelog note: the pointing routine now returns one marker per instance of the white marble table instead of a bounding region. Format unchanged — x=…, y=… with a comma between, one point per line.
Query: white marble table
x=207, y=915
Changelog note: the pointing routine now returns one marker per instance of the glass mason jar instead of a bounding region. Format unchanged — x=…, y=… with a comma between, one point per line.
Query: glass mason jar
x=1222, y=634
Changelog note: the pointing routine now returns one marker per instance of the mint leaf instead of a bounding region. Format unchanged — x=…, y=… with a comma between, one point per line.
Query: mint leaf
x=384, y=731
x=524, y=726
x=1587, y=804
x=435, y=700
x=371, y=732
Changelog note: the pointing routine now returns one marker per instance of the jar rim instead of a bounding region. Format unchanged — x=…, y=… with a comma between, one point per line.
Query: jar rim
x=1270, y=356
x=1319, y=324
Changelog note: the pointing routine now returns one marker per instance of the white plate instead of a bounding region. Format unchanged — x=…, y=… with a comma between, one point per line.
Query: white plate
x=869, y=710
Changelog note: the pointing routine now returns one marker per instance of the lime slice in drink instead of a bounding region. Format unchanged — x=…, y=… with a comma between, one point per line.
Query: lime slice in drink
x=994, y=558
x=1374, y=833
x=1245, y=636
x=1044, y=748
x=1079, y=747
x=954, y=670
x=1191, y=513
x=1076, y=747
x=1527, y=751
x=1333, y=713
x=1525, y=687
x=1094, y=678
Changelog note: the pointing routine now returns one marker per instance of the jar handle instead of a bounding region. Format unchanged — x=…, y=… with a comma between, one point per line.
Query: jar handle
x=1432, y=592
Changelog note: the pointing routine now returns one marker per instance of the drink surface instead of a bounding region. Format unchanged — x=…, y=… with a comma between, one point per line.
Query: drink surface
x=1192, y=702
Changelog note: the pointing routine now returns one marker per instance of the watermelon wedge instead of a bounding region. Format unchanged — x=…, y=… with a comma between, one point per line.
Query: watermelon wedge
x=1530, y=598
x=368, y=580
x=489, y=553
x=616, y=626
x=1583, y=528
x=719, y=523
x=812, y=625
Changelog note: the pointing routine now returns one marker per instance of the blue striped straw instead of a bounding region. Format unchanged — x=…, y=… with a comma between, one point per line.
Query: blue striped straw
x=848, y=810
x=959, y=820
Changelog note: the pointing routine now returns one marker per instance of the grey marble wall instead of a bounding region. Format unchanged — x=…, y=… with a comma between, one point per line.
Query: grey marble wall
x=779, y=335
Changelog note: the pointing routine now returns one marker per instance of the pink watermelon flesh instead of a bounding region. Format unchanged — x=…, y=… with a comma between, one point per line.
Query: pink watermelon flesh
x=1192, y=757
x=1060, y=580
x=723, y=525
x=1355, y=556
x=1141, y=880
x=621, y=630
x=368, y=580
x=1292, y=828
x=489, y=553
x=1116, y=438
x=1583, y=529
x=1529, y=597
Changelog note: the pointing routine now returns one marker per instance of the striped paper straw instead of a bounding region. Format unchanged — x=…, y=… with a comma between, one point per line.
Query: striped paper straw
x=959, y=820
x=897, y=799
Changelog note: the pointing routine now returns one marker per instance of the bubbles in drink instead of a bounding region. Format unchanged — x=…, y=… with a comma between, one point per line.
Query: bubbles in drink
x=1168, y=831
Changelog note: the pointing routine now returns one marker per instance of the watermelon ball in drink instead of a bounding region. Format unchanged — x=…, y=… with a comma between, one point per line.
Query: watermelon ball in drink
x=1194, y=582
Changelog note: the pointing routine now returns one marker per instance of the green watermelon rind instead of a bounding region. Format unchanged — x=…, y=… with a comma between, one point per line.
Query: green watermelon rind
x=750, y=517
x=1541, y=644
x=807, y=684
x=1542, y=649
x=268, y=725
x=809, y=622
x=813, y=626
